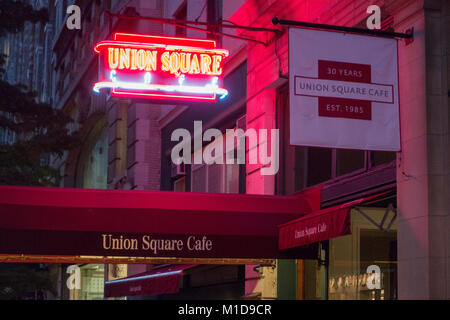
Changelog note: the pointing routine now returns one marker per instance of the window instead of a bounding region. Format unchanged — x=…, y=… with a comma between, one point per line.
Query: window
x=380, y=157
x=311, y=165
x=180, y=185
x=319, y=165
x=92, y=283
x=351, y=255
x=92, y=167
x=348, y=161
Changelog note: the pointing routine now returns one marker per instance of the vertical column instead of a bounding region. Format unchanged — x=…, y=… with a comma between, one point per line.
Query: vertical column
x=117, y=144
x=143, y=154
x=423, y=164
x=263, y=72
x=437, y=24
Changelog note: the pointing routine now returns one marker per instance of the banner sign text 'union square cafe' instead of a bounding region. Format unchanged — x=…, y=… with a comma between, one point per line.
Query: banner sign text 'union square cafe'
x=157, y=67
x=343, y=90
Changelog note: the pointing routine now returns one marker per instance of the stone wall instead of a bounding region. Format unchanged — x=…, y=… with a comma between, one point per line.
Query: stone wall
x=423, y=163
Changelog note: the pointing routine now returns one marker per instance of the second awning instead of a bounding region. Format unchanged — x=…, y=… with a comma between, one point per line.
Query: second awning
x=160, y=281
x=318, y=226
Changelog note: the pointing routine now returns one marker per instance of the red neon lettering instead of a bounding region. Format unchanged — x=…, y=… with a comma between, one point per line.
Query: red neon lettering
x=133, y=59
x=124, y=58
x=150, y=60
x=113, y=57
x=206, y=63
x=165, y=62
x=174, y=63
x=185, y=65
x=217, y=60
x=195, y=67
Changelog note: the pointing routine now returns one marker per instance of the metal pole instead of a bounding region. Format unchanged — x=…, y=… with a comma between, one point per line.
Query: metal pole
x=182, y=24
x=276, y=21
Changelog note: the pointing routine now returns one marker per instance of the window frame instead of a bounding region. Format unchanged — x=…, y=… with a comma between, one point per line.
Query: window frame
x=282, y=114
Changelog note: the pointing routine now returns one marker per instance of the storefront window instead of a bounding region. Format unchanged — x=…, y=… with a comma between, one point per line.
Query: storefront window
x=380, y=157
x=319, y=165
x=353, y=257
x=92, y=283
x=198, y=178
x=180, y=185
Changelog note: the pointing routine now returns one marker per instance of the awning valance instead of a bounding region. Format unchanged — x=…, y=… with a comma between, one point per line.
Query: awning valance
x=160, y=281
x=86, y=222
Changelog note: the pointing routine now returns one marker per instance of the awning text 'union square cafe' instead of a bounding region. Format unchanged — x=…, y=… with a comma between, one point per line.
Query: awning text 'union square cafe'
x=116, y=226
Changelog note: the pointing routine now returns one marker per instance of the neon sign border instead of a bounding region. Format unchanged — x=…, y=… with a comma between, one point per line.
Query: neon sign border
x=161, y=42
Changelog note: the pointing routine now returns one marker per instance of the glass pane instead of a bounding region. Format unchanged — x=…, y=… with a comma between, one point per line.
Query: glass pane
x=215, y=179
x=232, y=178
x=199, y=179
x=379, y=249
x=180, y=185
x=314, y=275
x=380, y=157
x=92, y=282
x=351, y=256
x=348, y=161
x=319, y=165
x=300, y=168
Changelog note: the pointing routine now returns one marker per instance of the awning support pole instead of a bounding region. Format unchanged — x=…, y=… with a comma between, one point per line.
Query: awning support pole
x=389, y=208
x=392, y=220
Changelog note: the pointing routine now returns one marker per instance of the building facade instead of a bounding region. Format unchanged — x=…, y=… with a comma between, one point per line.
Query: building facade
x=403, y=230
x=419, y=174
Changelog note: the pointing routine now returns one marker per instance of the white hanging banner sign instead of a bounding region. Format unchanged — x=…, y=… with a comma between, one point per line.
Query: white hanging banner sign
x=343, y=90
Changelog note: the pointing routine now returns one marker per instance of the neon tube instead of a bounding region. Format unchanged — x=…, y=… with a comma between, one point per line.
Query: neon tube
x=210, y=88
x=162, y=274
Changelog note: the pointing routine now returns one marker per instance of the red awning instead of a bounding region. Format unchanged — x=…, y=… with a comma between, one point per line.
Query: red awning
x=160, y=281
x=318, y=226
x=74, y=222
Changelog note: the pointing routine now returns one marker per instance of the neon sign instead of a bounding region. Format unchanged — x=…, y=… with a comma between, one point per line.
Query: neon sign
x=156, y=67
